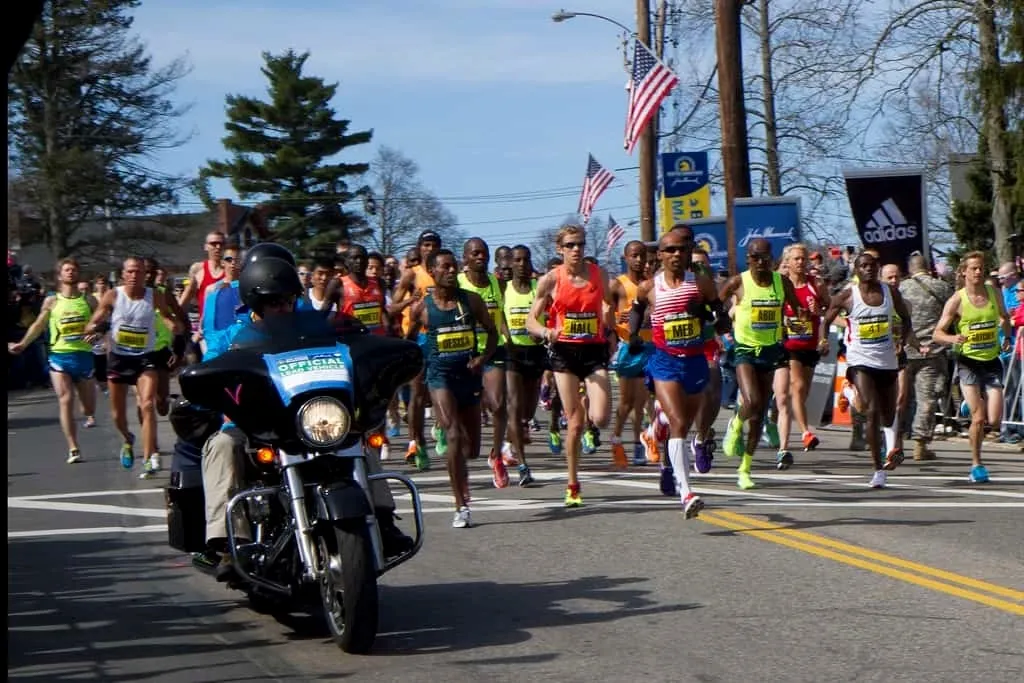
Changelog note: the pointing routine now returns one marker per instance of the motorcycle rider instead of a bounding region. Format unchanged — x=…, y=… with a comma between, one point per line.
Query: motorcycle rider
x=268, y=286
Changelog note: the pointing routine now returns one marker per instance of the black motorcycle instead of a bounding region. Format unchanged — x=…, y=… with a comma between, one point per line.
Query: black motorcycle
x=312, y=405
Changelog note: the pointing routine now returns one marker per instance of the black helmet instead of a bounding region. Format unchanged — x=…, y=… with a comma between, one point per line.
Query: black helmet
x=268, y=250
x=268, y=278
x=192, y=423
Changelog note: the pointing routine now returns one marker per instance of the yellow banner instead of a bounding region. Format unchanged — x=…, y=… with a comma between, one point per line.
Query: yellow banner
x=675, y=210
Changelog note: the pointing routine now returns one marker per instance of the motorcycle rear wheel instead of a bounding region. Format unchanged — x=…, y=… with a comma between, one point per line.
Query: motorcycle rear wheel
x=348, y=586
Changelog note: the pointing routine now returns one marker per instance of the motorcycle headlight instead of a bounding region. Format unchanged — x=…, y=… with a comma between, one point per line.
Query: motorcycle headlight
x=324, y=421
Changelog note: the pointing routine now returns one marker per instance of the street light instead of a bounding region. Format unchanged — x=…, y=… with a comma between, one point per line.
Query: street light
x=562, y=15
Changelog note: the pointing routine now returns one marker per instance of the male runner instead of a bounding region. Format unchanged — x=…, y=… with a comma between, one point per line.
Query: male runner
x=576, y=298
x=416, y=283
x=630, y=365
x=131, y=310
x=527, y=358
x=475, y=278
x=890, y=275
x=450, y=317
x=166, y=354
x=703, y=444
x=680, y=303
x=65, y=315
x=805, y=340
x=503, y=266
x=202, y=274
x=979, y=313
x=760, y=295
x=321, y=277
x=871, y=348
x=361, y=297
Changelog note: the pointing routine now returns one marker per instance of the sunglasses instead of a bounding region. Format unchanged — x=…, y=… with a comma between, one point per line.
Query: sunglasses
x=215, y=244
x=673, y=249
x=760, y=257
x=303, y=273
x=228, y=259
x=573, y=245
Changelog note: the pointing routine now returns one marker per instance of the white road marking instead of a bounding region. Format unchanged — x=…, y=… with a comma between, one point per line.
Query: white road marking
x=42, y=533
x=85, y=507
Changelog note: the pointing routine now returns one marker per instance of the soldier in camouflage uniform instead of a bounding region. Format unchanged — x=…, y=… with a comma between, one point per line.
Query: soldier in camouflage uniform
x=925, y=295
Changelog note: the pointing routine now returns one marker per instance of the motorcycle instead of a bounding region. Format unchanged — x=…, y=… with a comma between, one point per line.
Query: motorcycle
x=313, y=406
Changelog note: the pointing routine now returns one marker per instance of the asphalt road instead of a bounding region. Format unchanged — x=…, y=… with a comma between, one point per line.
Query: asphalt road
x=812, y=576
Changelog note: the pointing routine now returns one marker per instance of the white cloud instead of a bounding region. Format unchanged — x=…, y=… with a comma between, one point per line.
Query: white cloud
x=373, y=45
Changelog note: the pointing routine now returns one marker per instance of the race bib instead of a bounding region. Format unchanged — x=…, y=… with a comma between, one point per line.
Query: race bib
x=681, y=329
x=873, y=330
x=459, y=340
x=799, y=329
x=132, y=338
x=72, y=329
x=517, y=322
x=368, y=314
x=579, y=326
x=982, y=335
x=764, y=314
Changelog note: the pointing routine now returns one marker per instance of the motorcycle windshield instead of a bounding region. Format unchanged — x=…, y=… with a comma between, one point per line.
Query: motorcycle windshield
x=307, y=329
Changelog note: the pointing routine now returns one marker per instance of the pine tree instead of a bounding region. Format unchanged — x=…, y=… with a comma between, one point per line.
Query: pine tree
x=282, y=155
x=971, y=220
x=86, y=106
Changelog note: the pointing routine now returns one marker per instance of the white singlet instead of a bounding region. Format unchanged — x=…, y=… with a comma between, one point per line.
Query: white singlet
x=869, y=340
x=318, y=304
x=132, y=324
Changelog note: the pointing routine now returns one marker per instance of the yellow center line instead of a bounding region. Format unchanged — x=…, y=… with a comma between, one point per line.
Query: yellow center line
x=818, y=539
x=757, y=529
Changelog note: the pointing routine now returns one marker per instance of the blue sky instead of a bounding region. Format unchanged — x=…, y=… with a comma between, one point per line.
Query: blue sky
x=489, y=97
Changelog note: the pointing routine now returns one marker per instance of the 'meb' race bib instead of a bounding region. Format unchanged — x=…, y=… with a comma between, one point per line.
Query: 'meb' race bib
x=682, y=329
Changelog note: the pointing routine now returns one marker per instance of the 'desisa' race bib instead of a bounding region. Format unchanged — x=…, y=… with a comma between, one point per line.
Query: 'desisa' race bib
x=455, y=340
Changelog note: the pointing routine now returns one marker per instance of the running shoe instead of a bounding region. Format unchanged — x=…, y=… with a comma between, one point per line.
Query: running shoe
x=702, y=456
x=810, y=441
x=421, y=459
x=563, y=422
x=410, y=453
x=639, y=456
x=692, y=505
x=462, y=519
x=783, y=460
x=394, y=431
x=651, y=449
x=771, y=434
x=733, y=443
x=618, y=456
x=743, y=479
x=573, y=499
x=498, y=470
x=878, y=479
x=74, y=455
x=555, y=443
x=440, y=441
x=843, y=401
x=128, y=452
x=965, y=409
x=894, y=459
x=89, y=423
x=525, y=477
x=667, y=481
x=147, y=467
x=589, y=446
x=545, y=397
x=979, y=475
x=507, y=456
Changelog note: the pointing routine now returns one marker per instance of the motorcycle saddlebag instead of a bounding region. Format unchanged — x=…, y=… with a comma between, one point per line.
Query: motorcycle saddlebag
x=186, y=504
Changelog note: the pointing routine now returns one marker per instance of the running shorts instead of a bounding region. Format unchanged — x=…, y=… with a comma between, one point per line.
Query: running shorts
x=161, y=357
x=764, y=358
x=580, y=359
x=529, y=361
x=984, y=374
x=631, y=365
x=77, y=364
x=467, y=387
x=690, y=371
x=885, y=380
x=127, y=369
x=497, y=361
x=805, y=357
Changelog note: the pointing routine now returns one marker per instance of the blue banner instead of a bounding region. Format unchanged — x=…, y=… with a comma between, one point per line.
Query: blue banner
x=709, y=234
x=683, y=173
x=776, y=219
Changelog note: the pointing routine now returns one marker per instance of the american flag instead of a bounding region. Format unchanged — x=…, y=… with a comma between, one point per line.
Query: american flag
x=615, y=233
x=596, y=181
x=651, y=83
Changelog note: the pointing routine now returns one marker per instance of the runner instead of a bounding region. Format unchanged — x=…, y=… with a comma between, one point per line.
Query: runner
x=65, y=314
x=202, y=274
x=475, y=257
x=361, y=296
x=503, y=266
x=450, y=316
x=979, y=313
x=323, y=270
x=805, y=341
x=131, y=310
x=416, y=283
x=222, y=301
x=164, y=353
x=577, y=295
x=703, y=444
x=760, y=294
x=629, y=365
x=681, y=301
x=100, y=346
x=891, y=277
x=527, y=358
x=549, y=391
x=871, y=349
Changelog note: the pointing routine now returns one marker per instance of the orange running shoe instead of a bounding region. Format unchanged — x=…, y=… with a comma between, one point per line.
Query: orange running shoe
x=619, y=456
x=651, y=447
x=810, y=441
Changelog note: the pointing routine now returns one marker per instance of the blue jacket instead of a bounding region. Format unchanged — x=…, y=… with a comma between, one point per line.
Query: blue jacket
x=241, y=329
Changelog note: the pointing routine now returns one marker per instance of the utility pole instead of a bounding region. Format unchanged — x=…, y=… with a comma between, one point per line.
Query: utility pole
x=735, y=150
x=110, y=235
x=648, y=140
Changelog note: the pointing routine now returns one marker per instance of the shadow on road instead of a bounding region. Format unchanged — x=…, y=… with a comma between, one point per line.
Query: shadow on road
x=451, y=617
x=99, y=609
x=775, y=520
x=16, y=423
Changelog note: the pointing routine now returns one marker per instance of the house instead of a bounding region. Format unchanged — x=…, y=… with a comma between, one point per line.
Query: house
x=175, y=240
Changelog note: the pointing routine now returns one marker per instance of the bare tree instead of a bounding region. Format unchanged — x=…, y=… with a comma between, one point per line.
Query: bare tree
x=402, y=208
x=545, y=247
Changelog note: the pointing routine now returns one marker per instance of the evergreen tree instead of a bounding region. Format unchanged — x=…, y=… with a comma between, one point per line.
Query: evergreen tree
x=86, y=106
x=282, y=151
x=971, y=220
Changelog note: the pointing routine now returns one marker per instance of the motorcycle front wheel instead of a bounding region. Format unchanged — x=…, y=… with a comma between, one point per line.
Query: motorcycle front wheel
x=348, y=586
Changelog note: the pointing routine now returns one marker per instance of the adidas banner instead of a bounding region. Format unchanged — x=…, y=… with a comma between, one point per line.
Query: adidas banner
x=889, y=210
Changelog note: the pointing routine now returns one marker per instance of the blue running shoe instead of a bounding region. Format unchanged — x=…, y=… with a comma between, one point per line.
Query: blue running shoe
x=667, y=483
x=979, y=475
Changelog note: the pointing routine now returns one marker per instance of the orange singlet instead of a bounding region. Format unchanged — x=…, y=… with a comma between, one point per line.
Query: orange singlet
x=577, y=311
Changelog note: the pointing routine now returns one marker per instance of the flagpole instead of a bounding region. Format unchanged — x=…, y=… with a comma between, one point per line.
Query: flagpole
x=648, y=158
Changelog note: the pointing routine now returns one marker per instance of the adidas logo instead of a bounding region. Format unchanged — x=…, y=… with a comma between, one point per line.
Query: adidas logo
x=888, y=224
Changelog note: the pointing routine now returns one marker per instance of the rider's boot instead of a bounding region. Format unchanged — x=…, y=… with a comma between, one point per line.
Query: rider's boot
x=393, y=540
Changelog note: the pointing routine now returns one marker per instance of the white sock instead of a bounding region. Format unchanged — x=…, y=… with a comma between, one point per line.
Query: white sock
x=890, y=438
x=850, y=393
x=680, y=466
